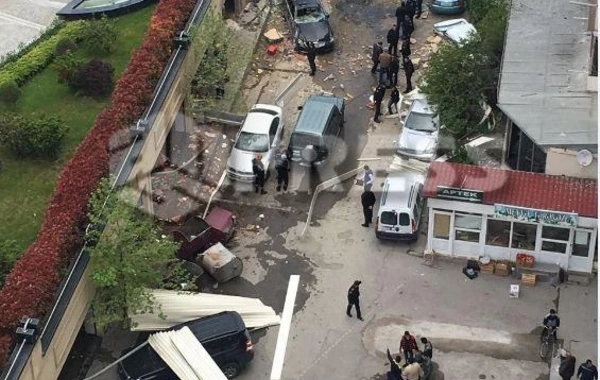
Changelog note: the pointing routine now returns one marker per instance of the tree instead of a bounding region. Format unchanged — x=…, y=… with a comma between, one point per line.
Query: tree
x=95, y=78
x=9, y=92
x=129, y=256
x=99, y=36
x=32, y=137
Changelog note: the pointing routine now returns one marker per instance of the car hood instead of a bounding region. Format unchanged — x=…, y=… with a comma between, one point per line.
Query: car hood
x=241, y=160
x=314, y=31
x=421, y=142
x=456, y=30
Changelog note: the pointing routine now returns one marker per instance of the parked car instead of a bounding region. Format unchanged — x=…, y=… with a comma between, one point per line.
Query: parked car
x=309, y=23
x=317, y=129
x=261, y=133
x=419, y=137
x=400, y=208
x=447, y=7
x=223, y=335
x=455, y=31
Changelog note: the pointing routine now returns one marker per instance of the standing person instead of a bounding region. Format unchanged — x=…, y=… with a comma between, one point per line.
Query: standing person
x=427, y=348
x=353, y=299
x=378, y=98
x=392, y=39
x=368, y=178
x=395, y=372
x=566, y=370
x=400, y=17
x=367, y=199
x=312, y=54
x=587, y=371
x=393, y=71
x=408, y=343
x=419, y=8
x=411, y=9
x=394, y=99
x=259, y=174
x=409, y=69
x=282, y=166
x=413, y=370
x=405, y=47
x=407, y=28
x=377, y=50
x=384, y=64
x=427, y=366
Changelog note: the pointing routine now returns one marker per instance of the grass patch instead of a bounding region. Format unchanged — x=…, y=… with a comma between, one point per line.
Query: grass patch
x=26, y=185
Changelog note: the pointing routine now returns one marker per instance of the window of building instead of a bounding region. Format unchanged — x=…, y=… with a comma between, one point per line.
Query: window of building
x=594, y=66
x=523, y=236
x=441, y=226
x=581, y=243
x=498, y=233
x=555, y=239
x=467, y=227
x=523, y=153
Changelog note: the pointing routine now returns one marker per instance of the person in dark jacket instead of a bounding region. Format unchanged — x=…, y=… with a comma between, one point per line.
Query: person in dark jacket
x=378, y=98
x=353, y=300
x=427, y=348
x=407, y=28
x=401, y=16
x=394, y=99
x=411, y=9
x=566, y=370
x=395, y=372
x=377, y=50
x=408, y=343
x=393, y=71
x=409, y=69
x=282, y=166
x=405, y=48
x=367, y=199
x=392, y=39
x=551, y=322
x=419, y=8
x=587, y=371
x=259, y=174
x=311, y=55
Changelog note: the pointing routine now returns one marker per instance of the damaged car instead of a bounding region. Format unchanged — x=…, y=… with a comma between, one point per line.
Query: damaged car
x=309, y=22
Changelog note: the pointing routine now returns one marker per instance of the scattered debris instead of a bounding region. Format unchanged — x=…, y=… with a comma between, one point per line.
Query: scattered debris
x=328, y=77
x=272, y=35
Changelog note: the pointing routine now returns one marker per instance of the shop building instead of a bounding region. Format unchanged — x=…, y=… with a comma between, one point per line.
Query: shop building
x=477, y=211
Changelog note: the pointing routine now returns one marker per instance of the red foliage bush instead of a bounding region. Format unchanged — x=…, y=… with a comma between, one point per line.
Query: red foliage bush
x=31, y=287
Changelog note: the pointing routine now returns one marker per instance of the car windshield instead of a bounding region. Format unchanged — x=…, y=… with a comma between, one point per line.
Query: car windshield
x=423, y=122
x=310, y=14
x=252, y=142
x=389, y=217
x=299, y=141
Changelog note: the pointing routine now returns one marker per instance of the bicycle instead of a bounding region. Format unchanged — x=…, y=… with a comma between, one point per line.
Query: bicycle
x=547, y=343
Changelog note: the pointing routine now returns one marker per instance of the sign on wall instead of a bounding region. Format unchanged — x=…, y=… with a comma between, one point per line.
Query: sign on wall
x=460, y=194
x=535, y=216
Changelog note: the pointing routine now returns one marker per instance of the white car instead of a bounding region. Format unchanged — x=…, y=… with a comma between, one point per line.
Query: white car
x=455, y=31
x=261, y=133
x=419, y=137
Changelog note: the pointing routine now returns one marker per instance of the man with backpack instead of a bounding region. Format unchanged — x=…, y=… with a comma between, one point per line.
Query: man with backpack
x=282, y=166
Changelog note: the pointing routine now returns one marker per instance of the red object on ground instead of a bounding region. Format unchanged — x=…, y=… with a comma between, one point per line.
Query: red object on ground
x=517, y=188
x=272, y=49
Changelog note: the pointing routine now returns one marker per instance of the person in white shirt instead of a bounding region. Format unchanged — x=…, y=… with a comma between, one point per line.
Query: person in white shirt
x=368, y=178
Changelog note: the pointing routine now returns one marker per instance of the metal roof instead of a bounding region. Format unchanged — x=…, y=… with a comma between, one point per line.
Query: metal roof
x=314, y=115
x=543, y=84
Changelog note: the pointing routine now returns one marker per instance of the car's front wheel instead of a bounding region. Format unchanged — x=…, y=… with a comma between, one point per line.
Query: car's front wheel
x=231, y=370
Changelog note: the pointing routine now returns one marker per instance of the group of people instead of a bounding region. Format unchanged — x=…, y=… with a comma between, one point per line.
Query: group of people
x=417, y=364
x=283, y=166
x=566, y=369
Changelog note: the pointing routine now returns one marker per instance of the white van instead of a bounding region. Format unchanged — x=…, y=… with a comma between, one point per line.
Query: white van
x=400, y=209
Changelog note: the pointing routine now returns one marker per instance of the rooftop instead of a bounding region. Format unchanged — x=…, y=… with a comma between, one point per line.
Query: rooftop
x=516, y=188
x=543, y=84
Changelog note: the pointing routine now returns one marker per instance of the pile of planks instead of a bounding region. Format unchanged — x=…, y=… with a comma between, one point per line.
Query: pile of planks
x=502, y=268
x=488, y=268
x=528, y=279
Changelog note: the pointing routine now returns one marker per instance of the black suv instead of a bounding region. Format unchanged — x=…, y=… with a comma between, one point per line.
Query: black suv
x=309, y=23
x=223, y=335
x=317, y=129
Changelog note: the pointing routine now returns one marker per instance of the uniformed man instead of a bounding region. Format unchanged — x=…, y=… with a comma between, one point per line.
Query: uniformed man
x=353, y=299
x=378, y=98
x=409, y=69
x=312, y=54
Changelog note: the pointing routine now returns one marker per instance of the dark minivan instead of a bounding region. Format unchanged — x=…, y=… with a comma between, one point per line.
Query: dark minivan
x=223, y=335
x=317, y=129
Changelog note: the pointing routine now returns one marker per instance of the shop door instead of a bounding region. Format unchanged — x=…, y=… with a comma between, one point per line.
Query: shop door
x=582, y=251
x=440, y=241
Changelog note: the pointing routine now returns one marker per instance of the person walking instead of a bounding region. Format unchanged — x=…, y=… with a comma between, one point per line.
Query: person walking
x=353, y=300
x=367, y=199
x=368, y=178
x=378, y=98
x=259, y=174
x=427, y=348
x=312, y=55
x=394, y=99
x=384, y=64
x=400, y=17
x=587, y=371
x=409, y=69
x=413, y=370
x=395, y=372
x=282, y=166
x=377, y=50
x=419, y=8
x=407, y=28
x=405, y=47
x=393, y=71
x=392, y=39
x=566, y=369
x=408, y=343
x=411, y=9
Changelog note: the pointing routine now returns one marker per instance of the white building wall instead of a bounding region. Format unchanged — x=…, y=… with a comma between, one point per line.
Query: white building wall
x=564, y=162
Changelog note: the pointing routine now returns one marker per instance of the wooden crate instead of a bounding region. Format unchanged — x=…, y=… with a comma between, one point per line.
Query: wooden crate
x=528, y=279
x=502, y=268
x=488, y=268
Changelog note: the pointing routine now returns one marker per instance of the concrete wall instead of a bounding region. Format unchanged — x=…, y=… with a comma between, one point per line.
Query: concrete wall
x=560, y=161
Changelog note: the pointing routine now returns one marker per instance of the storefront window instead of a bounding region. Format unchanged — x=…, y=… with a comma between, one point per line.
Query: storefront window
x=554, y=239
x=581, y=243
x=523, y=236
x=441, y=226
x=467, y=227
x=553, y=246
x=498, y=233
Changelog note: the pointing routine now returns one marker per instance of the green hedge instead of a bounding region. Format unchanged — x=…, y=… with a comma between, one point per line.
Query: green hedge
x=40, y=56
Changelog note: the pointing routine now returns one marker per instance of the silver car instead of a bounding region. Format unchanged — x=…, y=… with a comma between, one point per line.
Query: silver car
x=455, y=31
x=419, y=136
x=260, y=134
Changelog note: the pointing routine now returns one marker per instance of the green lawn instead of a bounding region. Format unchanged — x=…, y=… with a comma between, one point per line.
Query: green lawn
x=26, y=185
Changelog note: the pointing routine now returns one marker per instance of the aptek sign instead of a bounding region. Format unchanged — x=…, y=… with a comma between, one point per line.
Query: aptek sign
x=460, y=194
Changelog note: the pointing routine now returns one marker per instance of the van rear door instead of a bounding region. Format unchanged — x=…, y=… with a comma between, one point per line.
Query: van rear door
x=388, y=221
